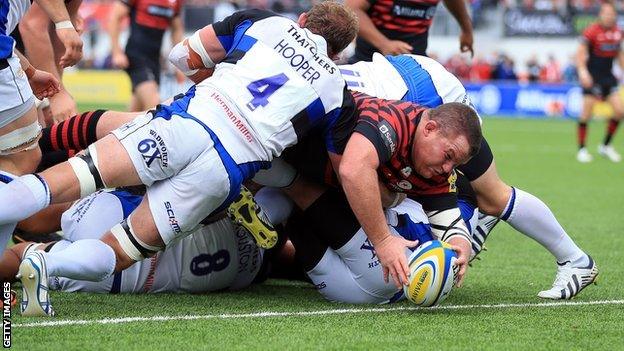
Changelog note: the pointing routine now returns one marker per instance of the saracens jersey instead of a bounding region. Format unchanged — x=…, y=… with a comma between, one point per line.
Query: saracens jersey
x=149, y=19
x=281, y=80
x=604, y=45
x=391, y=127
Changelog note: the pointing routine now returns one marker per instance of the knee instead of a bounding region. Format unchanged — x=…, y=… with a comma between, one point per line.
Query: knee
x=494, y=200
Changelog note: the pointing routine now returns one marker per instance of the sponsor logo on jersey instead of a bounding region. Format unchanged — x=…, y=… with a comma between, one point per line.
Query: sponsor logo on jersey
x=389, y=135
x=154, y=149
x=160, y=11
x=405, y=185
x=173, y=221
x=237, y=120
x=405, y=172
x=452, y=180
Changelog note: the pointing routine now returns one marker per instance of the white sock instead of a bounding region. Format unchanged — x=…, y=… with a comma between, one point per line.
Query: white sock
x=22, y=198
x=530, y=216
x=275, y=204
x=6, y=231
x=87, y=259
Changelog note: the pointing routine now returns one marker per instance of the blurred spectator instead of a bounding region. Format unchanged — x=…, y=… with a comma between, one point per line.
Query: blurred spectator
x=504, y=69
x=533, y=69
x=459, y=66
x=481, y=70
x=551, y=72
x=569, y=72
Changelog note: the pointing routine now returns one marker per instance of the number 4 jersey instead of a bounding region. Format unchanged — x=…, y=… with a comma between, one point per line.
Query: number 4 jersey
x=278, y=77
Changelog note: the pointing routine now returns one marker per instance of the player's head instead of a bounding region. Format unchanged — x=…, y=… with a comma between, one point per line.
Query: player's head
x=333, y=21
x=447, y=136
x=608, y=14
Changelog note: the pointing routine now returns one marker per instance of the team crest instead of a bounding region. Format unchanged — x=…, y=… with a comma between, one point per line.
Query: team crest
x=405, y=185
x=452, y=180
x=406, y=172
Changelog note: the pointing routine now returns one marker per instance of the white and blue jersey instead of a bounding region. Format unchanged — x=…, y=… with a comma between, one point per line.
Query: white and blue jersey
x=217, y=256
x=11, y=12
x=414, y=78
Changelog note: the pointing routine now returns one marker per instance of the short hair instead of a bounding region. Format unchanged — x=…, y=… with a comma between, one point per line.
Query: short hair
x=456, y=119
x=335, y=22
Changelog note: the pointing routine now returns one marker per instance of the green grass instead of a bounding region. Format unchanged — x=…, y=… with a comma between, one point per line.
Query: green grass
x=534, y=155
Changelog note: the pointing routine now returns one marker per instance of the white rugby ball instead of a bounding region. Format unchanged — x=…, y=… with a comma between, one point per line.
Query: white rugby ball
x=432, y=273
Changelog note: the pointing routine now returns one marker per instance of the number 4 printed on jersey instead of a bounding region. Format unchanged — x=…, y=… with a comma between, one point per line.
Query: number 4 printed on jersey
x=262, y=89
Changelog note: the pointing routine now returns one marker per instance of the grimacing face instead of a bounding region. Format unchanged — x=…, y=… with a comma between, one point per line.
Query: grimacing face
x=436, y=154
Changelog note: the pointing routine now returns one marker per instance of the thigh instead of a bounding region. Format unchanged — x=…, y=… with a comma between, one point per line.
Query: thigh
x=160, y=148
x=361, y=259
x=178, y=204
x=334, y=280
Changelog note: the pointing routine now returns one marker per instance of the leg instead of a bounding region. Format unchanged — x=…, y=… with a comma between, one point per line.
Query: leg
x=147, y=95
x=588, y=104
x=606, y=149
x=19, y=153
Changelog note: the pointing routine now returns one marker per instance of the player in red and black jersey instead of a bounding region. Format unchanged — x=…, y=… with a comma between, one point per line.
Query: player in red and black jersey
x=149, y=19
x=600, y=46
x=395, y=27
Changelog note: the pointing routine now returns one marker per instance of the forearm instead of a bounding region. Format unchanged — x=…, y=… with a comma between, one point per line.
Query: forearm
x=458, y=9
x=362, y=190
x=368, y=31
x=35, y=33
x=55, y=9
x=448, y=224
x=114, y=28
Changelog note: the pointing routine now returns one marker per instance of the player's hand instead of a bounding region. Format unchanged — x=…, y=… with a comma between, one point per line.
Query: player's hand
x=391, y=253
x=462, y=247
x=396, y=47
x=44, y=84
x=119, y=60
x=73, y=46
x=465, y=43
x=78, y=22
x=62, y=106
x=585, y=79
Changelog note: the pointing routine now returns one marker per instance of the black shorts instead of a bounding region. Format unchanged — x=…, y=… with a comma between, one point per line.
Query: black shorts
x=143, y=68
x=603, y=86
x=479, y=163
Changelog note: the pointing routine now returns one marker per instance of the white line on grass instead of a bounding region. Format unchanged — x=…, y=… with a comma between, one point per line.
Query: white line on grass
x=308, y=313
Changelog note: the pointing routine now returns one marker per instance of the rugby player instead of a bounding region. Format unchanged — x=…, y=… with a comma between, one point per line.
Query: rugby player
x=599, y=47
x=149, y=19
x=248, y=115
x=215, y=257
x=21, y=82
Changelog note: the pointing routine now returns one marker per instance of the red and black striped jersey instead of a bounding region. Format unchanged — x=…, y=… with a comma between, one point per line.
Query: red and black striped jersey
x=391, y=127
x=406, y=16
x=149, y=19
x=604, y=46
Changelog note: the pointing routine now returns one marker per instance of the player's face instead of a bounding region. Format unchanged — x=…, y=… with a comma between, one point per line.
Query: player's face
x=435, y=154
x=608, y=16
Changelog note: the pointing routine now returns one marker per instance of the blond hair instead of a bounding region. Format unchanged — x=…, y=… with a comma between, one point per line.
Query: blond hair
x=335, y=22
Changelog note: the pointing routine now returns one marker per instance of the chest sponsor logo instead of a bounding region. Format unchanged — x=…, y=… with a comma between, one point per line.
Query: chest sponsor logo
x=411, y=10
x=160, y=11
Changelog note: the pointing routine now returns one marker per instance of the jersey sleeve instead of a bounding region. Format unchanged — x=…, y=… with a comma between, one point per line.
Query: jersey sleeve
x=588, y=35
x=342, y=123
x=226, y=29
x=378, y=124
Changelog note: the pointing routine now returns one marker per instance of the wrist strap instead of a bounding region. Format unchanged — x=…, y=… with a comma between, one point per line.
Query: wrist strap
x=64, y=25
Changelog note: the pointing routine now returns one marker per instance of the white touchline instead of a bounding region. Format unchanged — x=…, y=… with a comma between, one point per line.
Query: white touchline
x=307, y=313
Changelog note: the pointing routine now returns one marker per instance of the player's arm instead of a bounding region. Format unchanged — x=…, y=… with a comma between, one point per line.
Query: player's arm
x=458, y=9
x=119, y=11
x=369, y=32
x=582, y=55
x=58, y=14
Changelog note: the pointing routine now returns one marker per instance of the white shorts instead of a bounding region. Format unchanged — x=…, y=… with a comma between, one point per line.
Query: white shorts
x=16, y=96
x=185, y=175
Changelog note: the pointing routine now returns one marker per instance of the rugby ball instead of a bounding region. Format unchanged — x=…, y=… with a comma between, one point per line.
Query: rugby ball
x=432, y=273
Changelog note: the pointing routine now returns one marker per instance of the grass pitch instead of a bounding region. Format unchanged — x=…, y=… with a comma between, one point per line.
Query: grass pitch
x=496, y=309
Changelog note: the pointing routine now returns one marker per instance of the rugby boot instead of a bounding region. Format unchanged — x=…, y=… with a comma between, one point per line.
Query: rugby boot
x=245, y=212
x=608, y=152
x=570, y=280
x=33, y=273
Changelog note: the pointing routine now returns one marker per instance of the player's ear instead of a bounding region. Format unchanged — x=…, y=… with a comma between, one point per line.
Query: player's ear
x=302, y=20
x=430, y=127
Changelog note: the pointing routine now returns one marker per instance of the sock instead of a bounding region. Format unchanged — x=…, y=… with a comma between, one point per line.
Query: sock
x=611, y=128
x=88, y=259
x=75, y=133
x=582, y=134
x=6, y=231
x=23, y=197
x=530, y=216
x=275, y=204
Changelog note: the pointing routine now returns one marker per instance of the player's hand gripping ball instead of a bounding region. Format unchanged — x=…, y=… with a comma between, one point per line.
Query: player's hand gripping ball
x=432, y=273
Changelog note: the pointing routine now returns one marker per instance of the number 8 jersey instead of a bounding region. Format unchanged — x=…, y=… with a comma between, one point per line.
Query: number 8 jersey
x=280, y=80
